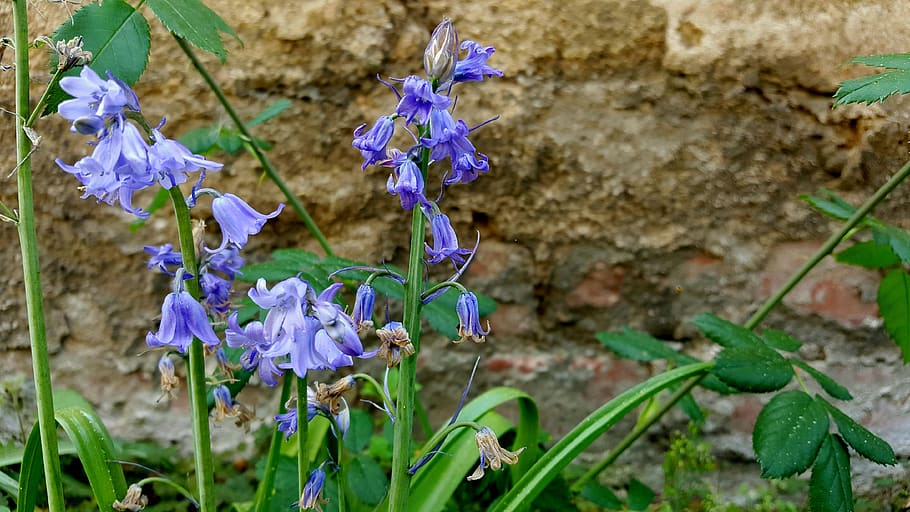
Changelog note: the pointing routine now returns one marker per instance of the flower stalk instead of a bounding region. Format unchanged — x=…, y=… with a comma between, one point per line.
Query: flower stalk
x=303, y=454
x=31, y=269
x=202, y=447
x=266, y=487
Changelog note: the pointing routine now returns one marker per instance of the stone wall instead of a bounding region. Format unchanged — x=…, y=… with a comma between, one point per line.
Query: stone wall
x=645, y=169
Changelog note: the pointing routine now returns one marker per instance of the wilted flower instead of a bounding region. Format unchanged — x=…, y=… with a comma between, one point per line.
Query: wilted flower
x=134, y=501
x=69, y=53
x=227, y=407
x=492, y=455
x=441, y=52
x=169, y=380
x=311, y=499
x=469, y=327
x=182, y=318
x=396, y=343
x=329, y=396
x=372, y=144
x=238, y=220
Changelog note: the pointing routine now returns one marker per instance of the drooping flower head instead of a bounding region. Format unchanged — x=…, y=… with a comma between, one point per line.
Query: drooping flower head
x=409, y=185
x=364, y=303
x=469, y=327
x=395, y=343
x=492, y=455
x=95, y=98
x=311, y=499
x=419, y=99
x=445, y=241
x=372, y=144
x=182, y=318
x=474, y=66
x=238, y=220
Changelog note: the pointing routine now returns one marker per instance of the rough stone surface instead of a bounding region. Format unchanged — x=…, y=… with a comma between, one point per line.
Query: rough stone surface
x=645, y=169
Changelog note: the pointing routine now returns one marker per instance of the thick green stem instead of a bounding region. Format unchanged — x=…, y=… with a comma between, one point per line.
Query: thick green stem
x=266, y=488
x=202, y=447
x=254, y=148
x=31, y=271
x=303, y=454
x=340, y=475
x=407, y=376
x=637, y=432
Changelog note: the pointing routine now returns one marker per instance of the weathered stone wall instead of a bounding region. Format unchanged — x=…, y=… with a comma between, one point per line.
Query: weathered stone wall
x=645, y=169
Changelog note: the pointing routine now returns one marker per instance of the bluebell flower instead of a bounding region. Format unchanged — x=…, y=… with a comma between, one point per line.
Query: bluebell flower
x=419, y=99
x=449, y=139
x=395, y=343
x=469, y=327
x=492, y=454
x=409, y=188
x=171, y=161
x=364, y=302
x=284, y=303
x=287, y=422
x=372, y=144
x=441, y=53
x=466, y=167
x=474, y=67
x=238, y=220
x=182, y=318
x=337, y=325
x=227, y=261
x=445, y=241
x=163, y=257
x=93, y=96
x=251, y=337
x=216, y=292
x=311, y=499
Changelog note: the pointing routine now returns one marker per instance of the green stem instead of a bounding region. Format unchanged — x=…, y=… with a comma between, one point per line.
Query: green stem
x=303, y=454
x=637, y=432
x=202, y=448
x=829, y=245
x=340, y=476
x=254, y=148
x=445, y=431
x=31, y=271
x=170, y=483
x=36, y=112
x=266, y=488
x=407, y=376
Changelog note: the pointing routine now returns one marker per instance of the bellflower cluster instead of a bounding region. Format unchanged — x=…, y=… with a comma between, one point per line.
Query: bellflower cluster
x=217, y=271
x=302, y=331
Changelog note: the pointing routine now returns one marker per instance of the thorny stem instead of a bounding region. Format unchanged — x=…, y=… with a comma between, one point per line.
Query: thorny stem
x=31, y=271
x=202, y=448
x=266, y=488
x=254, y=148
x=847, y=230
x=303, y=454
x=407, y=376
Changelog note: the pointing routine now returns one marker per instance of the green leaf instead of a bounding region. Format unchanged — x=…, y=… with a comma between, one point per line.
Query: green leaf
x=894, y=237
x=726, y=334
x=781, y=340
x=873, y=88
x=640, y=495
x=830, y=488
x=271, y=111
x=433, y=485
x=200, y=140
x=366, y=480
x=600, y=496
x=868, y=255
x=889, y=61
x=827, y=383
x=194, y=21
x=859, y=437
x=788, y=433
x=359, y=433
x=32, y=473
x=753, y=369
x=894, y=306
x=567, y=449
x=9, y=485
x=230, y=141
x=115, y=33
x=830, y=204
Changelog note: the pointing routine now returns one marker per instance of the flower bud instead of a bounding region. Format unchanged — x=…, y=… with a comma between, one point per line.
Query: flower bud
x=442, y=52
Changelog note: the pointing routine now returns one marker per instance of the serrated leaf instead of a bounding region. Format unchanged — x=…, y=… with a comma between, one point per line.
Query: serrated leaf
x=868, y=255
x=827, y=383
x=640, y=495
x=271, y=111
x=366, y=480
x=788, y=433
x=115, y=33
x=830, y=488
x=830, y=204
x=638, y=346
x=753, y=369
x=899, y=241
x=894, y=306
x=873, y=88
x=725, y=333
x=781, y=340
x=859, y=437
x=194, y=21
x=889, y=61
